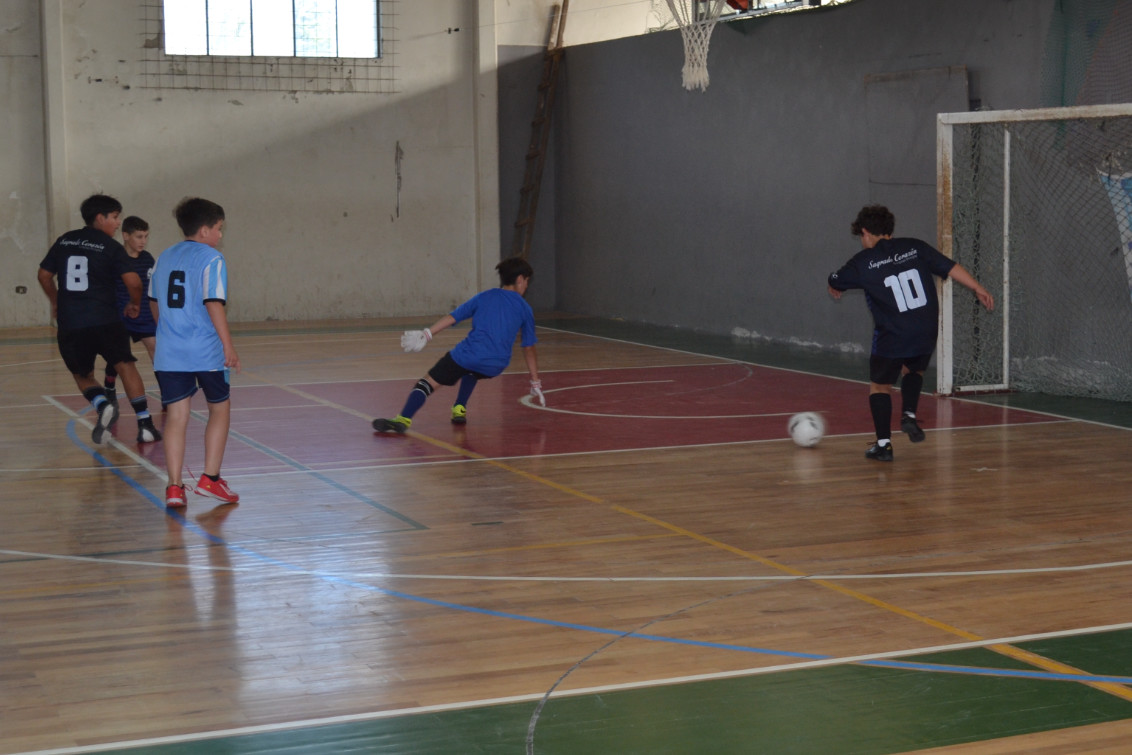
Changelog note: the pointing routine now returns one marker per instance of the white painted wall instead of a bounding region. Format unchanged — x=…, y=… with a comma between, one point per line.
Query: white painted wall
x=307, y=180
x=23, y=215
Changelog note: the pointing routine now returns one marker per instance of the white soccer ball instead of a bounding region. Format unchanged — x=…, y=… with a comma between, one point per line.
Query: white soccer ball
x=806, y=428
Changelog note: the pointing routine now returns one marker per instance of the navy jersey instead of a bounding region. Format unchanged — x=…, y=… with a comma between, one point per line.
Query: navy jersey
x=896, y=276
x=86, y=264
x=143, y=323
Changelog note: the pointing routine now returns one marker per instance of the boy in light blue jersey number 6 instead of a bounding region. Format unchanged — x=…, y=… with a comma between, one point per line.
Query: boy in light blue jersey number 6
x=187, y=292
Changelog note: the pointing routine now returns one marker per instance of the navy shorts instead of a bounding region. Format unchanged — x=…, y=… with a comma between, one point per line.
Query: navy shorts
x=886, y=370
x=447, y=371
x=137, y=337
x=178, y=386
x=79, y=347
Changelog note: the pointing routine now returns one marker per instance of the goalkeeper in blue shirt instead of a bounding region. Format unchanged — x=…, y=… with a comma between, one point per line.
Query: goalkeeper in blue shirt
x=498, y=315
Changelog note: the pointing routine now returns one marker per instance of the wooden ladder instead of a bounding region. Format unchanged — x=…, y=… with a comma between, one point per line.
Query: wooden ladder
x=540, y=135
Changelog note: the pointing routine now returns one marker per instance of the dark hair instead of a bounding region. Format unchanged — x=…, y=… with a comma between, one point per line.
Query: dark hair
x=194, y=213
x=98, y=204
x=133, y=224
x=874, y=218
x=511, y=268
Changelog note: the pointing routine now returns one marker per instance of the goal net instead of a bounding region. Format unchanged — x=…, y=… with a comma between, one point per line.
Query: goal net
x=1037, y=205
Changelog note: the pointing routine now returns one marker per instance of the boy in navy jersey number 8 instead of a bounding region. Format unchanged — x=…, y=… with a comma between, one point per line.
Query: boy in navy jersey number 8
x=897, y=277
x=87, y=262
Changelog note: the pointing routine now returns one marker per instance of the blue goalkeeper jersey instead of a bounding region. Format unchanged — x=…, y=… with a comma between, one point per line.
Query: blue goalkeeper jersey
x=186, y=276
x=498, y=315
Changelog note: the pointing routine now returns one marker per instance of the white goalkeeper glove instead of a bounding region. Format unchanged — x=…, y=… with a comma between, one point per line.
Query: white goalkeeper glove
x=536, y=391
x=415, y=340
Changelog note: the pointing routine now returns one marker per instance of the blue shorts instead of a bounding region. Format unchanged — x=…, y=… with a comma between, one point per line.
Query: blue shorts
x=178, y=386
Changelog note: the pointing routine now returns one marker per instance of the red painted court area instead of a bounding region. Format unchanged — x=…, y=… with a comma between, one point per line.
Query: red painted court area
x=324, y=426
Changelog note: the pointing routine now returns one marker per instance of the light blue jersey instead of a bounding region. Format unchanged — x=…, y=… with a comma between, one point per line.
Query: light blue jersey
x=186, y=276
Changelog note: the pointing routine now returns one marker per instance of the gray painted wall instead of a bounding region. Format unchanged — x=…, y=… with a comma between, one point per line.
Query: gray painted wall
x=520, y=71
x=728, y=208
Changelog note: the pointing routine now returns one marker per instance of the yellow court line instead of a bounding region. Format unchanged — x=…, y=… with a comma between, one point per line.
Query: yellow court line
x=1009, y=651
x=545, y=546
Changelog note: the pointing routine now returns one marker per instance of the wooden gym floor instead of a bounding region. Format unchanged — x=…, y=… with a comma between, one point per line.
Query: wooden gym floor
x=646, y=566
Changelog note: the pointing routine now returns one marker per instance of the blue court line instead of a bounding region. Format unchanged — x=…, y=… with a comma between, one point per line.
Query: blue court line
x=296, y=465
x=893, y=664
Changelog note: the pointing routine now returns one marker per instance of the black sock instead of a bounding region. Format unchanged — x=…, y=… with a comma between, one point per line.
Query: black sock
x=93, y=395
x=213, y=477
x=911, y=386
x=880, y=405
x=141, y=406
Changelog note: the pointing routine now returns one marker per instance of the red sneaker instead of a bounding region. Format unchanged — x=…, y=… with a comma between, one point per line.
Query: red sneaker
x=175, y=496
x=218, y=490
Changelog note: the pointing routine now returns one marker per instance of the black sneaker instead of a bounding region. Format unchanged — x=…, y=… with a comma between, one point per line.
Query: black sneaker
x=147, y=433
x=909, y=425
x=107, y=416
x=396, y=425
x=879, y=452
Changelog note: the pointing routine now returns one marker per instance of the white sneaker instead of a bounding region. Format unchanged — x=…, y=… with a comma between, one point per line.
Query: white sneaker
x=107, y=416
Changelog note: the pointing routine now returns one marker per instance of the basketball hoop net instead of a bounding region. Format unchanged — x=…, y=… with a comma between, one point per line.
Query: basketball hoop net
x=697, y=19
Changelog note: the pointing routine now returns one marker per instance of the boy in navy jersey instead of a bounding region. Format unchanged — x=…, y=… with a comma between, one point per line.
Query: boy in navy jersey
x=187, y=295
x=135, y=238
x=88, y=262
x=498, y=315
x=897, y=276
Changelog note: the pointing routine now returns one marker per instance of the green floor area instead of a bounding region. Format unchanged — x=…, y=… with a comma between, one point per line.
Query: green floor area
x=850, y=710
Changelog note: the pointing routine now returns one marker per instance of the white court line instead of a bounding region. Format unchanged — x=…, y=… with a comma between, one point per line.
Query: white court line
x=143, y=462
x=610, y=580
x=25, y=364
x=718, y=362
x=37, y=470
x=834, y=377
x=528, y=400
x=535, y=697
x=728, y=360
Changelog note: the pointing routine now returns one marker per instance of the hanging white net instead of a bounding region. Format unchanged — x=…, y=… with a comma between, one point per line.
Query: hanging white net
x=697, y=20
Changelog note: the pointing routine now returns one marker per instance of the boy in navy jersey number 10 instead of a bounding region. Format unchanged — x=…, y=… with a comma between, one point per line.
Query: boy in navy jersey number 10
x=897, y=276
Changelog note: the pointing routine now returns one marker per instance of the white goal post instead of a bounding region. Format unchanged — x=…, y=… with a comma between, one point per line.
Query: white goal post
x=1037, y=205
